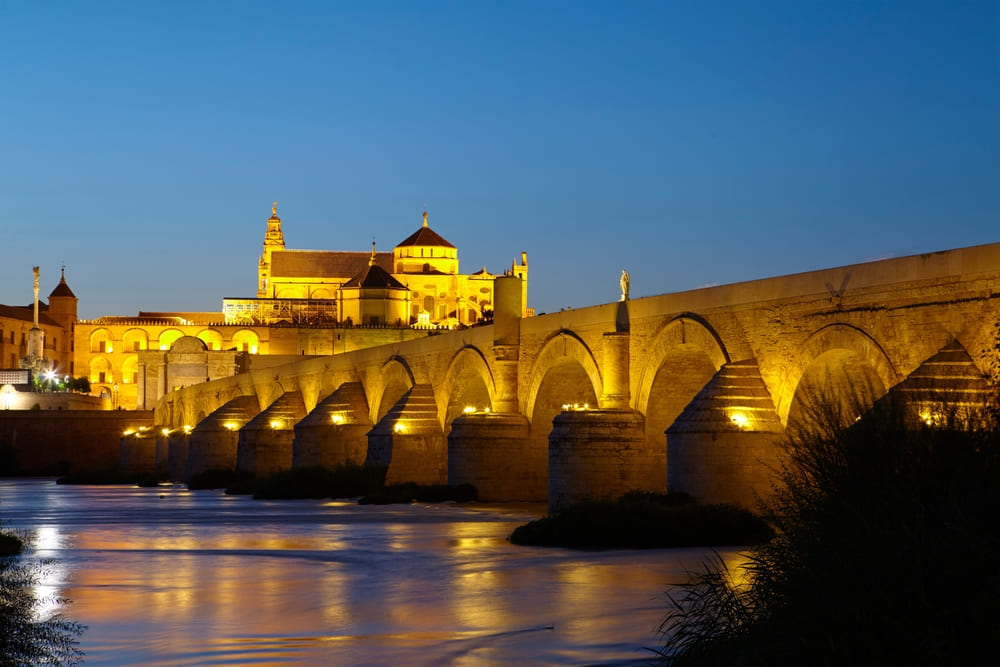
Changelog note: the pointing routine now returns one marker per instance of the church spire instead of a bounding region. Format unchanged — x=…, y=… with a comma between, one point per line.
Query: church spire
x=371, y=262
x=274, y=240
x=425, y=218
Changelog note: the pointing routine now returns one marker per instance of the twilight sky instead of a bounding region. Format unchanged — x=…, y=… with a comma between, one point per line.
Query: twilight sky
x=692, y=143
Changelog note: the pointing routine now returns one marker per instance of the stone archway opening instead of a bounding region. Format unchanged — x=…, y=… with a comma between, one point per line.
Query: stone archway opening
x=565, y=383
x=396, y=382
x=682, y=374
x=835, y=389
x=469, y=393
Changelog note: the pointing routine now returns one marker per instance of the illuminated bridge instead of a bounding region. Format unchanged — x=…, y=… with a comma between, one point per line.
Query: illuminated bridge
x=690, y=390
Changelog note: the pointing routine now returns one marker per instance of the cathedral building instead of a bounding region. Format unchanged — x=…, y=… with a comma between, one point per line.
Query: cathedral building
x=307, y=302
x=418, y=283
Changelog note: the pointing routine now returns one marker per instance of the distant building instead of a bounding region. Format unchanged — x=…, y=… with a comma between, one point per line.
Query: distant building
x=308, y=302
x=55, y=319
x=419, y=283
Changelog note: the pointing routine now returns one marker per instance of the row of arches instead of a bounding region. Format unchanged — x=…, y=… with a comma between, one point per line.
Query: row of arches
x=681, y=359
x=675, y=365
x=103, y=341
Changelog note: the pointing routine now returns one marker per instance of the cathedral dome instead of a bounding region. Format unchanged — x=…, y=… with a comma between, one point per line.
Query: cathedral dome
x=426, y=237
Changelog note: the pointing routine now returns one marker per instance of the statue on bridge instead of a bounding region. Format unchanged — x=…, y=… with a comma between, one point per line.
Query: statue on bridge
x=624, y=282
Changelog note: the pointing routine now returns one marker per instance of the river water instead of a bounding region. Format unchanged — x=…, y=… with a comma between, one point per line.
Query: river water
x=167, y=576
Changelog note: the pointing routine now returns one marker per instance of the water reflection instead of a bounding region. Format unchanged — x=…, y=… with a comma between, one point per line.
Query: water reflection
x=171, y=577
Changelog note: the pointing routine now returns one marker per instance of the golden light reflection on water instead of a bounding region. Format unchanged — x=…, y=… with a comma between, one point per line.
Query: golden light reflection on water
x=238, y=582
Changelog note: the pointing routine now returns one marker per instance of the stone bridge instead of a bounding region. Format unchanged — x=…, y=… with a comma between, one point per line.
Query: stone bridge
x=690, y=390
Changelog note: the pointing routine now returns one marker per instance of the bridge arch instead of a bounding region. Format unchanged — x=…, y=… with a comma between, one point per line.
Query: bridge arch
x=395, y=379
x=565, y=359
x=467, y=382
x=682, y=358
x=836, y=362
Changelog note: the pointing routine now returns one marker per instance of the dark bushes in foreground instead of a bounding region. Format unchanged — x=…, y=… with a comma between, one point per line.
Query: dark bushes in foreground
x=25, y=640
x=219, y=479
x=886, y=554
x=343, y=481
x=421, y=493
x=643, y=520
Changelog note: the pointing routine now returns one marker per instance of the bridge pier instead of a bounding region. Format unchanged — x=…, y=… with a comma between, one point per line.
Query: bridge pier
x=600, y=454
x=723, y=446
x=492, y=451
x=409, y=440
x=137, y=453
x=335, y=432
x=265, y=443
x=177, y=454
x=214, y=441
x=162, y=452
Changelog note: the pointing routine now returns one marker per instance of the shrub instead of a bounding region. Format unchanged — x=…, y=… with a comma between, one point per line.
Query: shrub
x=642, y=520
x=343, y=481
x=884, y=555
x=25, y=640
x=217, y=479
x=421, y=493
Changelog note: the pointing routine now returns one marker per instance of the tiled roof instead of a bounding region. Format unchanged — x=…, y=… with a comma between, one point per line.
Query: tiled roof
x=374, y=276
x=62, y=289
x=425, y=236
x=27, y=314
x=323, y=263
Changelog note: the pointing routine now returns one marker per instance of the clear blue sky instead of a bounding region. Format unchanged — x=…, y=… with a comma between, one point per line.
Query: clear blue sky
x=691, y=143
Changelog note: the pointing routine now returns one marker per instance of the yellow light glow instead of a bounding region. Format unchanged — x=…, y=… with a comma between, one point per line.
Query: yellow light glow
x=277, y=423
x=337, y=419
x=7, y=396
x=232, y=426
x=399, y=427
x=127, y=432
x=143, y=428
x=165, y=431
x=110, y=349
x=188, y=428
x=253, y=349
x=929, y=417
x=740, y=419
x=468, y=409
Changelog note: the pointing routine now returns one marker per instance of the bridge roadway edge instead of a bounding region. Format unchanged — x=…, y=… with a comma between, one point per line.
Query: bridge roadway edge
x=883, y=317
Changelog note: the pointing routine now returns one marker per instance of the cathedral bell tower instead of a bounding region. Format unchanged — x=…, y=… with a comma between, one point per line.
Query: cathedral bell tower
x=273, y=240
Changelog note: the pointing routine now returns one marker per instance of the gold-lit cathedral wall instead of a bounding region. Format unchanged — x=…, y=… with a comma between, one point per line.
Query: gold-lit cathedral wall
x=425, y=263
x=308, y=302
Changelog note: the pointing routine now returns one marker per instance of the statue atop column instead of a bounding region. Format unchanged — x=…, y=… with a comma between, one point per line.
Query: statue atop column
x=624, y=283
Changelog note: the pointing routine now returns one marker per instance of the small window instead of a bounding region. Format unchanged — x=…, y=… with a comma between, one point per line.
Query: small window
x=135, y=346
x=102, y=347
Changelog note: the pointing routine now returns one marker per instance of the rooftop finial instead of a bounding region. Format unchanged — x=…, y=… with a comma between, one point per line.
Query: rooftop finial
x=371, y=262
x=274, y=208
x=425, y=218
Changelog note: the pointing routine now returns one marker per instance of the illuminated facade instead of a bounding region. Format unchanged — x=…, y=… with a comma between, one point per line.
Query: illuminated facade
x=320, y=285
x=55, y=320
x=308, y=302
